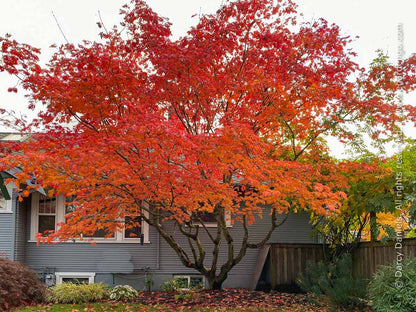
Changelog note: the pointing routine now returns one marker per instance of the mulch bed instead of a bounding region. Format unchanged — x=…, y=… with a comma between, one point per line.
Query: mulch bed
x=232, y=298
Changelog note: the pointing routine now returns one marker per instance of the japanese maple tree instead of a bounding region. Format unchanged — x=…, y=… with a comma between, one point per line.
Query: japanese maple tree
x=230, y=119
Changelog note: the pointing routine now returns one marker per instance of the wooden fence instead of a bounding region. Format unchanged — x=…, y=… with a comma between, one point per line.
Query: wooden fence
x=370, y=255
x=286, y=261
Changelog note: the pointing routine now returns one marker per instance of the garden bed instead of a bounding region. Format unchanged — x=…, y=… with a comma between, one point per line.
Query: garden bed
x=205, y=300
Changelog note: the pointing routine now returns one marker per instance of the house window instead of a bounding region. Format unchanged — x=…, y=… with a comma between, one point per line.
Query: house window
x=190, y=281
x=6, y=201
x=77, y=281
x=204, y=216
x=69, y=204
x=70, y=207
x=3, y=203
x=133, y=227
x=46, y=214
x=74, y=277
x=101, y=233
x=137, y=229
x=208, y=218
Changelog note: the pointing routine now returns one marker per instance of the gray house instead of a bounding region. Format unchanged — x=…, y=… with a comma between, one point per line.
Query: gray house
x=119, y=259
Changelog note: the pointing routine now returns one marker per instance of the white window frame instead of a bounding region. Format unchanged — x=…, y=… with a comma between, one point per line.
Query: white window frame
x=188, y=277
x=215, y=224
x=144, y=227
x=34, y=217
x=144, y=230
x=59, y=276
x=60, y=217
x=8, y=208
x=84, y=237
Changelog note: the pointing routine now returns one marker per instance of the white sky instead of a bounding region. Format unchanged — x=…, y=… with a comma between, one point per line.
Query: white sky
x=31, y=21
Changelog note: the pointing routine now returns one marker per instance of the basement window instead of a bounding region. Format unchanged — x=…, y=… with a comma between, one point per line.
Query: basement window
x=74, y=277
x=190, y=281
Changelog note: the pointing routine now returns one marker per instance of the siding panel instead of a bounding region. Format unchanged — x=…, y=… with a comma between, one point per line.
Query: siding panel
x=6, y=230
x=84, y=257
x=21, y=230
x=124, y=258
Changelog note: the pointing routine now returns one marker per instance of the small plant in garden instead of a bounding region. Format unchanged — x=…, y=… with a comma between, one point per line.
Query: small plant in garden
x=393, y=287
x=188, y=295
x=149, y=283
x=18, y=285
x=174, y=284
x=122, y=292
x=335, y=281
x=77, y=293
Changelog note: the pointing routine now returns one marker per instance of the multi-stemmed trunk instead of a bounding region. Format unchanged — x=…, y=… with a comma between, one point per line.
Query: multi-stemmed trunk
x=216, y=273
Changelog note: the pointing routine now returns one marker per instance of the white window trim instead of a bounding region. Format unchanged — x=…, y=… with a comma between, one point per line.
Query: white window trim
x=188, y=277
x=215, y=224
x=34, y=214
x=61, y=275
x=145, y=231
x=60, y=217
x=10, y=188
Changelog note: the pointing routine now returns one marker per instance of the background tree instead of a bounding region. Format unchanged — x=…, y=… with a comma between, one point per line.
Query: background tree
x=367, y=197
x=229, y=120
x=377, y=206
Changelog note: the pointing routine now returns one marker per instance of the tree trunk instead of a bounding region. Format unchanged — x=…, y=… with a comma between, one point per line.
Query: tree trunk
x=373, y=226
x=195, y=259
x=215, y=283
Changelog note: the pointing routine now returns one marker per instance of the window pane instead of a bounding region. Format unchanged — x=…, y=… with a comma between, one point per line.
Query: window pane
x=196, y=282
x=101, y=234
x=69, y=205
x=80, y=280
x=2, y=202
x=182, y=282
x=47, y=204
x=46, y=223
x=206, y=217
x=136, y=230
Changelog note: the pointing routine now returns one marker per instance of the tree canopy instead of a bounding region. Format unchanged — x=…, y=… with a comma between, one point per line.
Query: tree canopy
x=231, y=119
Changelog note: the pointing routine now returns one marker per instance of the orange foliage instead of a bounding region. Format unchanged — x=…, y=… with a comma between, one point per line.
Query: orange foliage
x=387, y=219
x=242, y=99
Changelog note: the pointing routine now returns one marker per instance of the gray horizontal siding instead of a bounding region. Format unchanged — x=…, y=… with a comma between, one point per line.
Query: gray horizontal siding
x=7, y=232
x=21, y=231
x=296, y=229
x=125, y=261
x=6, y=236
x=84, y=257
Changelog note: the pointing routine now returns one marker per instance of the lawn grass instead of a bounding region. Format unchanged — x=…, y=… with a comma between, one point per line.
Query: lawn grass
x=115, y=306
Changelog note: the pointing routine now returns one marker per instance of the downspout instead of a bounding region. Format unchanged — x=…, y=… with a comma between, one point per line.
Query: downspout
x=157, y=248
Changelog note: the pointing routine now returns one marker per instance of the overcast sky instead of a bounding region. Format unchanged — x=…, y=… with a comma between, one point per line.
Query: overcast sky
x=31, y=21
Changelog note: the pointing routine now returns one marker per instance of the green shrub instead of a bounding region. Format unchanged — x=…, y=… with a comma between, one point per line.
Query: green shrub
x=394, y=288
x=121, y=293
x=77, y=293
x=188, y=295
x=18, y=285
x=335, y=281
x=412, y=233
x=174, y=284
